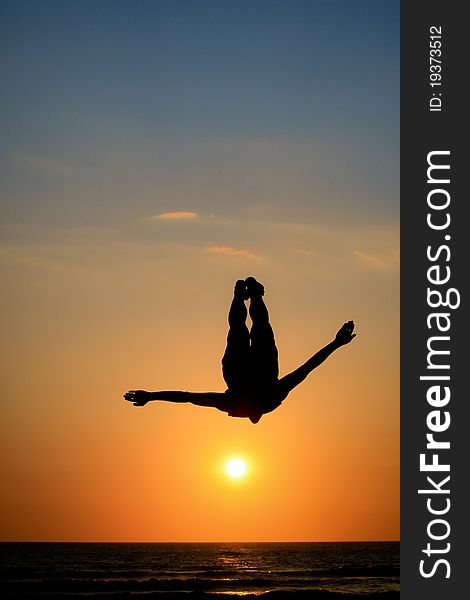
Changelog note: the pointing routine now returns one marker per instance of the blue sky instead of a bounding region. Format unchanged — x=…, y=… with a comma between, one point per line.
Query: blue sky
x=98, y=92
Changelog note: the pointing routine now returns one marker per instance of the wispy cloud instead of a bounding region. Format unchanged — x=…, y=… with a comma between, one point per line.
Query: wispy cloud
x=38, y=258
x=48, y=165
x=380, y=260
x=304, y=252
x=231, y=251
x=174, y=215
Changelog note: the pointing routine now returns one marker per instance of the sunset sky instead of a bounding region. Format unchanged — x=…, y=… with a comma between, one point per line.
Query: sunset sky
x=153, y=152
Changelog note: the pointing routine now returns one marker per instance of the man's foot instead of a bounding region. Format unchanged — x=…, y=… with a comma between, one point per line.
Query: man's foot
x=240, y=290
x=253, y=287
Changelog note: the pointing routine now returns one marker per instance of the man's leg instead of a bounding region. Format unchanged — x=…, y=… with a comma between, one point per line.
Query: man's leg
x=235, y=362
x=263, y=346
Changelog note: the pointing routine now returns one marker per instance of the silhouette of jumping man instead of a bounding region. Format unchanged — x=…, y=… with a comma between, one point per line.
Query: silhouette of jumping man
x=250, y=363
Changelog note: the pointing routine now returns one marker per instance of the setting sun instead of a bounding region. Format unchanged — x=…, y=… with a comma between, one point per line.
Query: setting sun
x=236, y=467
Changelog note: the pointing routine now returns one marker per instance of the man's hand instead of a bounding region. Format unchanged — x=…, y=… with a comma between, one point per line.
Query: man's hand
x=138, y=397
x=345, y=334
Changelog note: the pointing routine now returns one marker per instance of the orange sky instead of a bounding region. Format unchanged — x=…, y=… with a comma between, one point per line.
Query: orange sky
x=82, y=464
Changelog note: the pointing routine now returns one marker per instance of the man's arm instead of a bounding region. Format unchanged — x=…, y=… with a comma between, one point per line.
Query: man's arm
x=344, y=336
x=209, y=399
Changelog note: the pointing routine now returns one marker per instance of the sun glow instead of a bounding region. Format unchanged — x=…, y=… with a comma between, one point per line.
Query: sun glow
x=235, y=467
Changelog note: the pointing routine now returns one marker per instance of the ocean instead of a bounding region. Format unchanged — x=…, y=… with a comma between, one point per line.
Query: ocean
x=365, y=570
